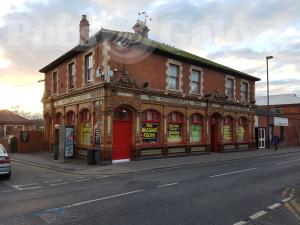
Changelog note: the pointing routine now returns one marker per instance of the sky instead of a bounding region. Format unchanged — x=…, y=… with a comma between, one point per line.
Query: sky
x=238, y=34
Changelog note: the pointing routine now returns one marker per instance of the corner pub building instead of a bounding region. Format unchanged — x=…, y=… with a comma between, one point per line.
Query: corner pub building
x=146, y=99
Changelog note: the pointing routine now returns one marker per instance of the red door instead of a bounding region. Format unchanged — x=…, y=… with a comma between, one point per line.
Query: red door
x=121, y=140
x=215, y=134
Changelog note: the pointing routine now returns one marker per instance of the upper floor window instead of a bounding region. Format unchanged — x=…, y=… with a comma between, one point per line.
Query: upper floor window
x=173, y=77
x=88, y=68
x=196, y=81
x=230, y=88
x=55, y=82
x=71, y=75
x=244, y=91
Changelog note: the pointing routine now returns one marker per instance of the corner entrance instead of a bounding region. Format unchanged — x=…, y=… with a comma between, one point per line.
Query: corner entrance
x=122, y=135
x=215, y=133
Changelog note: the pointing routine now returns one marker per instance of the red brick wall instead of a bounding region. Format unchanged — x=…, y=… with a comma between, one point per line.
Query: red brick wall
x=35, y=142
x=144, y=67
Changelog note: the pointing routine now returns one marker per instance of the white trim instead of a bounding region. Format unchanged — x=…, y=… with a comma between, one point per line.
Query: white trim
x=234, y=86
x=92, y=52
x=68, y=78
x=200, y=70
x=120, y=160
x=177, y=63
x=247, y=82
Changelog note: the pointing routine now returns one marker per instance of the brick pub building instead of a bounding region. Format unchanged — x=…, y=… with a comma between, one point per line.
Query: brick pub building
x=146, y=99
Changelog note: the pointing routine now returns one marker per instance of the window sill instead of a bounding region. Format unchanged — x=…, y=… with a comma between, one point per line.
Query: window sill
x=175, y=91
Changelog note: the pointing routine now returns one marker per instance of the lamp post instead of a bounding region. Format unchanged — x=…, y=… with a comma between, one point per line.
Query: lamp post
x=268, y=103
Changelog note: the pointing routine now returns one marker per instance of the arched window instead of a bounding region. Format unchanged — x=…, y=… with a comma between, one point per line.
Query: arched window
x=85, y=115
x=175, y=127
x=70, y=117
x=86, y=127
x=228, y=129
x=196, y=128
x=150, y=127
x=122, y=114
x=242, y=129
x=57, y=119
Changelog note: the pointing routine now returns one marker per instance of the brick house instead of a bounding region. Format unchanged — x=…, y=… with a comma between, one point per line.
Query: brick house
x=286, y=121
x=145, y=98
x=11, y=122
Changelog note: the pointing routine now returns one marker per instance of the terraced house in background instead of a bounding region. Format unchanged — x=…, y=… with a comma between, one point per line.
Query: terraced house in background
x=142, y=98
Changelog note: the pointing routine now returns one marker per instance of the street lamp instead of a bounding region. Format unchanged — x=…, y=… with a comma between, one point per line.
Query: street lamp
x=268, y=102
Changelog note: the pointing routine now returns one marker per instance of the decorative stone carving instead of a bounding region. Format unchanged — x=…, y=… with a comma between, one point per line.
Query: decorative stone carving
x=216, y=96
x=127, y=82
x=115, y=101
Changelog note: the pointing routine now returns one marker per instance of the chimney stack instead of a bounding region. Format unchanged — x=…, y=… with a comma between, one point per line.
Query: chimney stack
x=141, y=28
x=84, y=28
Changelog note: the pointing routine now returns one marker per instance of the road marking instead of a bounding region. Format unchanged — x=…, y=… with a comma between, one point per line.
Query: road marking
x=57, y=184
x=101, y=177
x=2, y=192
x=101, y=199
x=274, y=206
x=277, y=164
x=52, y=181
x=81, y=180
x=23, y=187
x=76, y=178
x=27, y=188
x=234, y=172
x=286, y=199
x=166, y=185
x=256, y=215
x=240, y=223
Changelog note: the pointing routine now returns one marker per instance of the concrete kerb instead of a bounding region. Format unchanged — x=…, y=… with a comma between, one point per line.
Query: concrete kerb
x=150, y=169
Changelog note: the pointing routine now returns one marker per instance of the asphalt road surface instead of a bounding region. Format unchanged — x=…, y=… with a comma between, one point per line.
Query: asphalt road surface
x=214, y=194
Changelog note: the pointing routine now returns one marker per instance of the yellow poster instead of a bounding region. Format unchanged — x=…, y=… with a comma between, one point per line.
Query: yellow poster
x=227, y=132
x=240, y=133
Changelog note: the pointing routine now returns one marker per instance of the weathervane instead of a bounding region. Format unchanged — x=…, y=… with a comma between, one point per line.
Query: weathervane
x=146, y=16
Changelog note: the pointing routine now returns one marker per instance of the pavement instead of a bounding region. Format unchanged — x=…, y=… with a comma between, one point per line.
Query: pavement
x=79, y=166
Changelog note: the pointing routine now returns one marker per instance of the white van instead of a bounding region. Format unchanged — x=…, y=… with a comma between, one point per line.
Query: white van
x=5, y=167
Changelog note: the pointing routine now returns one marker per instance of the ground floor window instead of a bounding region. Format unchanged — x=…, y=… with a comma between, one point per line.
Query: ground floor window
x=86, y=132
x=86, y=127
x=228, y=129
x=241, y=130
x=150, y=127
x=196, y=128
x=175, y=127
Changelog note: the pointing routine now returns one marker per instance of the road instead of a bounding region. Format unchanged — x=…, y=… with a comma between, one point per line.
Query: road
x=218, y=194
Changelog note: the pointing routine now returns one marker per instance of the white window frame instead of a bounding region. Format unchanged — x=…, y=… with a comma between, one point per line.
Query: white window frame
x=234, y=86
x=248, y=97
x=85, y=81
x=200, y=70
x=180, y=84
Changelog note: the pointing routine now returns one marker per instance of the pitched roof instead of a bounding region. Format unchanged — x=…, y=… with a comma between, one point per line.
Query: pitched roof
x=132, y=38
x=285, y=99
x=7, y=116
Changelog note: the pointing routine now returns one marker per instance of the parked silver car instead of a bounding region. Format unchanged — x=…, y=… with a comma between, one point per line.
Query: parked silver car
x=5, y=167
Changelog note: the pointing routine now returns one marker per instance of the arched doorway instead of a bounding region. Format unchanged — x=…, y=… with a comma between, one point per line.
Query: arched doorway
x=122, y=134
x=215, y=133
